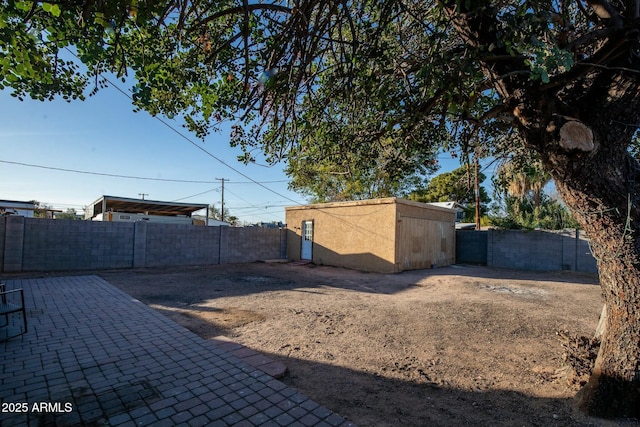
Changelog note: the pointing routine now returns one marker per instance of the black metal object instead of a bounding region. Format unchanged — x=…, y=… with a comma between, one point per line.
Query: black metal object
x=9, y=307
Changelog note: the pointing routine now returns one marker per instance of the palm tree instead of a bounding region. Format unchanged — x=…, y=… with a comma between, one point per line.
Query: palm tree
x=522, y=181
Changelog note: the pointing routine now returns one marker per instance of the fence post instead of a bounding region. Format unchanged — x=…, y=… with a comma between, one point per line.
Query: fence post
x=3, y=228
x=14, y=244
x=220, y=227
x=577, y=242
x=140, y=244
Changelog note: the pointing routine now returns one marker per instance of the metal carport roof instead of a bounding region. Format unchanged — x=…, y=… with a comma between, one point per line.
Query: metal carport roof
x=142, y=206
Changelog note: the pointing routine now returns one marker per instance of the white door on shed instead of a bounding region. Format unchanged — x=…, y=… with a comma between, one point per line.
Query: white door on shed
x=306, y=251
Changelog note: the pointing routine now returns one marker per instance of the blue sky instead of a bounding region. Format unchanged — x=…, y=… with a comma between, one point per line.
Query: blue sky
x=104, y=135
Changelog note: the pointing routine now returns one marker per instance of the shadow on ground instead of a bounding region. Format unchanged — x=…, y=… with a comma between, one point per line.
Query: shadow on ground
x=372, y=400
x=364, y=396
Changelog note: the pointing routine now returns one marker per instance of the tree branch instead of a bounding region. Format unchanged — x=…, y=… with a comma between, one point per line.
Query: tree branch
x=248, y=8
x=605, y=10
x=606, y=53
x=475, y=28
x=632, y=11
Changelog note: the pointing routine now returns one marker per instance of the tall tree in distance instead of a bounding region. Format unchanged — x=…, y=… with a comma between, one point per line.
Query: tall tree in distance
x=328, y=171
x=564, y=76
x=458, y=186
x=216, y=213
x=523, y=178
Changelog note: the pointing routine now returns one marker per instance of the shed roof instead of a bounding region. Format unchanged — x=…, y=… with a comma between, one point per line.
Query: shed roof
x=382, y=201
x=142, y=206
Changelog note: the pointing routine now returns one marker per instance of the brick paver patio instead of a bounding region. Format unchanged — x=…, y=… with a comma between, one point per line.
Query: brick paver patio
x=96, y=356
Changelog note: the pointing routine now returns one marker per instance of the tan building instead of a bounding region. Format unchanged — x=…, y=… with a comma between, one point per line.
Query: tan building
x=381, y=235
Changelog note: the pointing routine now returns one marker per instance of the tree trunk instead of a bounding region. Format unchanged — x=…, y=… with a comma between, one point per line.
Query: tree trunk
x=602, y=324
x=581, y=124
x=603, y=197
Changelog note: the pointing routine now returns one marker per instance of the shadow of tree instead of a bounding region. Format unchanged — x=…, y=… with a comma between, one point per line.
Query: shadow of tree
x=368, y=396
x=374, y=400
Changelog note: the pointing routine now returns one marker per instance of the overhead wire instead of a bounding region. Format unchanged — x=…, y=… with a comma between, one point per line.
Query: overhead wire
x=106, y=174
x=113, y=175
x=183, y=136
x=199, y=147
x=197, y=194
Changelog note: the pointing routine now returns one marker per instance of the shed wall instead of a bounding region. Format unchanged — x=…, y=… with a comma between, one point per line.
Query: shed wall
x=355, y=236
x=384, y=235
x=425, y=237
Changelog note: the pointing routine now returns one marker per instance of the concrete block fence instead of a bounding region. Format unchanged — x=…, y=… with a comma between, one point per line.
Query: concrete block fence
x=541, y=250
x=35, y=244
x=527, y=250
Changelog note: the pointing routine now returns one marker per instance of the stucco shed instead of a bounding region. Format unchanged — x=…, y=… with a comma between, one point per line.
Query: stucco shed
x=379, y=235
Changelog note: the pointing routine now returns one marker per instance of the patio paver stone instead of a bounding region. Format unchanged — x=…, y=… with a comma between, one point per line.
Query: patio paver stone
x=97, y=356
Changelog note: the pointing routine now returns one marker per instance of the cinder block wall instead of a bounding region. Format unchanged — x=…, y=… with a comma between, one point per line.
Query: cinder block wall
x=261, y=243
x=51, y=245
x=540, y=250
x=175, y=244
x=34, y=244
x=471, y=247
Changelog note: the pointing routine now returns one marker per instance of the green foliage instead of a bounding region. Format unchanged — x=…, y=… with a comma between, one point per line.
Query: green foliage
x=328, y=169
x=216, y=213
x=356, y=97
x=455, y=186
x=68, y=214
x=521, y=213
x=42, y=210
x=522, y=177
x=519, y=188
x=370, y=89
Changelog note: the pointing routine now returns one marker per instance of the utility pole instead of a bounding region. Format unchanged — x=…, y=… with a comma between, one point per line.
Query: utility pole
x=477, y=191
x=143, y=194
x=222, y=208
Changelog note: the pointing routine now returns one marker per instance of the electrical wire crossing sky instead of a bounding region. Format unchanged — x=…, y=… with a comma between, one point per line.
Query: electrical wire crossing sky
x=66, y=155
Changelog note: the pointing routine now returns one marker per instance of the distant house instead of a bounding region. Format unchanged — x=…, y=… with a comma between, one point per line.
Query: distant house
x=451, y=205
x=272, y=224
x=122, y=209
x=380, y=235
x=211, y=222
x=13, y=207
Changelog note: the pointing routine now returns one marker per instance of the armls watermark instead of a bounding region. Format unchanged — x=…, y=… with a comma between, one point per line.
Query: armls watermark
x=37, y=407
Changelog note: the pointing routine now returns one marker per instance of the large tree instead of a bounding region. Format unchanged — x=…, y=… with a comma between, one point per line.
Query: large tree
x=563, y=75
x=458, y=186
x=328, y=172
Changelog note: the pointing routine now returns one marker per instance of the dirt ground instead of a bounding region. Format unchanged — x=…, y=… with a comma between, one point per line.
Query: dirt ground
x=455, y=346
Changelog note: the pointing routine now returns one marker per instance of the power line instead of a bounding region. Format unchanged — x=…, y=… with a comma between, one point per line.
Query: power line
x=106, y=174
x=116, y=87
x=244, y=200
x=195, y=195
x=220, y=160
x=264, y=182
x=164, y=122
x=261, y=206
x=112, y=175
